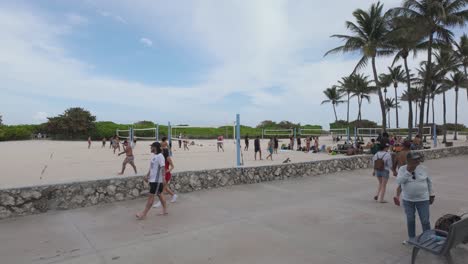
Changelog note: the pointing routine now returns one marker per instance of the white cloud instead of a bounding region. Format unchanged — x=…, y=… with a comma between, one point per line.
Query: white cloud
x=40, y=116
x=76, y=19
x=113, y=16
x=252, y=45
x=146, y=41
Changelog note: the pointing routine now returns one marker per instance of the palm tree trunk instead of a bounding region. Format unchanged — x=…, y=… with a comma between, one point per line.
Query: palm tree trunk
x=426, y=82
x=379, y=92
x=456, y=113
x=389, y=112
x=433, y=119
x=445, y=118
x=396, y=109
x=466, y=76
x=433, y=112
x=410, y=103
x=347, y=117
x=416, y=115
x=359, y=109
x=428, y=107
x=334, y=110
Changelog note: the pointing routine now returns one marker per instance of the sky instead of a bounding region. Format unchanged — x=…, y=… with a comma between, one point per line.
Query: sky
x=195, y=62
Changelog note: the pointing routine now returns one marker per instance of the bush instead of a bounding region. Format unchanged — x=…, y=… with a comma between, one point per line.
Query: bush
x=356, y=123
x=19, y=132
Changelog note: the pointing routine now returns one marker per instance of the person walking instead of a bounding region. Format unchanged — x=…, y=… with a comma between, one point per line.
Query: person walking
x=169, y=166
x=257, y=147
x=417, y=193
x=156, y=179
x=382, y=166
x=270, y=149
x=246, y=141
x=275, y=144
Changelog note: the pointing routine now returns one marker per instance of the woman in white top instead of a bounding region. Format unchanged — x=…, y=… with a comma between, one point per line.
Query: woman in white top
x=382, y=165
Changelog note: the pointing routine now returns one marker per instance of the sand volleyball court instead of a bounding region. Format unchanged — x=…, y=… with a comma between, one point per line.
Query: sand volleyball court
x=37, y=162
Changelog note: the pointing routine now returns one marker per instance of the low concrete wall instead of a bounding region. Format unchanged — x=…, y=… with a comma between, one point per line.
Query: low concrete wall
x=37, y=199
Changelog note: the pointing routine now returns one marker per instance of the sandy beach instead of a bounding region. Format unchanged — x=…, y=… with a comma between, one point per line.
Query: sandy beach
x=38, y=162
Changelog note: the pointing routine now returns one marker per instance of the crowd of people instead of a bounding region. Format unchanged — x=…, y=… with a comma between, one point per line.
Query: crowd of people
x=392, y=155
x=159, y=173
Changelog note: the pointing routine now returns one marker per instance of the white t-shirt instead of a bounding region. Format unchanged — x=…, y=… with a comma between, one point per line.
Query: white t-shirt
x=156, y=163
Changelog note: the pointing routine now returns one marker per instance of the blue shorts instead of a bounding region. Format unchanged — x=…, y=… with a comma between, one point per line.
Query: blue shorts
x=385, y=174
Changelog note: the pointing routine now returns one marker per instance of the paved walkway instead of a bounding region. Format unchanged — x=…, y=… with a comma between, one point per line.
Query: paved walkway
x=327, y=219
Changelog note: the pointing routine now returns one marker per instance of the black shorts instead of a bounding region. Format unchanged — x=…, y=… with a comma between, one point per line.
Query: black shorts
x=257, y=150
x=156, y=187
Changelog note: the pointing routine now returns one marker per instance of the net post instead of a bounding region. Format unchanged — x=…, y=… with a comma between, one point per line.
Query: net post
x=435, y=135
x=157, y=132
x=347, y=134
x=169, y=136
x=294, y=132
x=131, y=137
x=355, y=134
x=238, y=148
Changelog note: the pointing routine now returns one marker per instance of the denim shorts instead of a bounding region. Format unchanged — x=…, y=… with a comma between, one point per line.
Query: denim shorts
x=384, y=173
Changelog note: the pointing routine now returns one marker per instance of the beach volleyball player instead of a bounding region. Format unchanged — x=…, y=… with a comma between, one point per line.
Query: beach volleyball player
x=129, y=158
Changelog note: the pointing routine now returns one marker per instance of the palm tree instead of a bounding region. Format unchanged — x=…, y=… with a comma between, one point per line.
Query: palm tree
x=405, y=39
x=361, y=89
x=390, y=103
x=436, y=16
x=385, y=82
x=345, y=86
x=369, y=39
x=455, y=81
x=462, y=54
x=334, y=96
x=397, y=76
x=441, y=90
x=445, y=61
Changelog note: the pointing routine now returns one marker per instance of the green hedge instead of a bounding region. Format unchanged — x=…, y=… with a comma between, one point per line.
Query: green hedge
x=108, y=129
x=18, y=132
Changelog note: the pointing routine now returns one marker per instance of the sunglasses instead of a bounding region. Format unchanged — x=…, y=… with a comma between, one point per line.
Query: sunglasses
x=414, y=175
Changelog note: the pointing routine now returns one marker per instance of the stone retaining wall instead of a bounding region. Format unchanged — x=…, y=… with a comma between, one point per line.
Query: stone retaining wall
x=37, y=199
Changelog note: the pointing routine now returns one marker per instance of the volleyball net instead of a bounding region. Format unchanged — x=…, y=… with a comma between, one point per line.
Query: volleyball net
x=202, y=132
x=277, y=133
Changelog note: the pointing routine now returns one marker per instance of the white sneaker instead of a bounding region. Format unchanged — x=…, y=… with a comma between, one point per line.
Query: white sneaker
x=157, y=205
x=174, y=198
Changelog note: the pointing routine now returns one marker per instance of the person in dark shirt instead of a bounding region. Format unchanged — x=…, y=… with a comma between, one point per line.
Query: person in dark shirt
x=246, y=140
x=257, y=147
x=275, y=145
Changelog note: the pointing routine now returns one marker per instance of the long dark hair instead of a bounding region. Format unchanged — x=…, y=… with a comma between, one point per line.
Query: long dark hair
x=165, y=153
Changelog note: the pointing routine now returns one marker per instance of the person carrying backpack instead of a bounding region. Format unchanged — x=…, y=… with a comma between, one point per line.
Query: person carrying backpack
x=382, y=161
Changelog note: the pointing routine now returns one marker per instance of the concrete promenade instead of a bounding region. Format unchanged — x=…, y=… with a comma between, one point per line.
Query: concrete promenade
x=324, y=219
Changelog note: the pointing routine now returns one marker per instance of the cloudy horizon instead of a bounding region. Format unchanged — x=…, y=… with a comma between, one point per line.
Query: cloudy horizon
x=198, y=63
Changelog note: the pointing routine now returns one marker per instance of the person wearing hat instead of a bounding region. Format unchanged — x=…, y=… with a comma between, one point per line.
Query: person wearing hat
x=417, y=192
x=156, y=179
x=129, y=158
